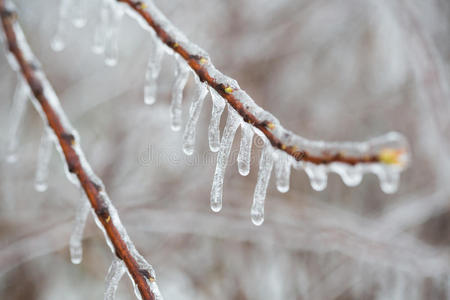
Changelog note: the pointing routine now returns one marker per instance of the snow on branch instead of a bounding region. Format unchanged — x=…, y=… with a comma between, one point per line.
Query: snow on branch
x=66, y=139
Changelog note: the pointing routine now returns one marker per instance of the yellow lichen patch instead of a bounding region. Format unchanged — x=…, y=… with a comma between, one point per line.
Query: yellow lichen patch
x=228, y=90
x=151, y=279
x=108, y=219
x=175, y=45
x=203, y=60
x=270, y=125
x=283, y=147
x=390, y=156
x=143, y=5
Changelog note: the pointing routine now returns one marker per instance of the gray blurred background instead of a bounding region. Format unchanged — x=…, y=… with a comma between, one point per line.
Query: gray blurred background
x=331, y=70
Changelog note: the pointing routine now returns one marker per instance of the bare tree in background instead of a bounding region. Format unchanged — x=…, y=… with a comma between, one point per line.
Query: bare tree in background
x=335, y=70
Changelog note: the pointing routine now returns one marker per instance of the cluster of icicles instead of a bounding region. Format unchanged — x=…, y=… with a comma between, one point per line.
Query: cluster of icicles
x=105, y=41
x=48, y=140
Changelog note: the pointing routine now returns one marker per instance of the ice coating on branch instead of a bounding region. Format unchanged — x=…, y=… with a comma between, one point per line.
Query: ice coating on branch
x=153, y=70
x=43, y=160
x=213, y=129
x=101, y=28
x=233, y=121
x=245, y=149
x=282, y=171
x=390, y=151
x=58, y=42
x=194, y=113
x=16, y=115
x=78, y=12
x=181, y=77
x=259, y=196
x=155, y=290
x=76, y=238
x=54, y=104
x=111, y=35
x=113, y=277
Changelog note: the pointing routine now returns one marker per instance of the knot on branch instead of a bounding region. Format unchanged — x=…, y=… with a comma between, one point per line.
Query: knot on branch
x=68, y=138
x=146, y=274
x=103, y=212
x=8, y=15
x=36, y=86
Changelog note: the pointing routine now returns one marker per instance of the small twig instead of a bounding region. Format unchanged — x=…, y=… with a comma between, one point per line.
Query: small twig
x=74, y=157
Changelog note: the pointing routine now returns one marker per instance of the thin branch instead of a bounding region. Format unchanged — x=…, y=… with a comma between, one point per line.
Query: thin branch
x=280, y=138
x=49, y=106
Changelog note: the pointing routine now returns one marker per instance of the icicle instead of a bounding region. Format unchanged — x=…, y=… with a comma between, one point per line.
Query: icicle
x=58, y=42
x=101, y=28
x=350, y=175
x=283, y=171
x=389, y=178
x=76, y=250
x=111, y=42
x=43, y=161
x=16, y=115
x=317, y=176
x=233, y=121
x=213, y=129
x=245, y=149
x=153, y=69
x=181, y=76
x=79, y=13
x=259, y=196
x=115, y=273
x=194, y=114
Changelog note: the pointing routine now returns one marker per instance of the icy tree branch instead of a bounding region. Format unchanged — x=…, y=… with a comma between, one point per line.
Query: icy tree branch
x=382, y=150
x=47, y=103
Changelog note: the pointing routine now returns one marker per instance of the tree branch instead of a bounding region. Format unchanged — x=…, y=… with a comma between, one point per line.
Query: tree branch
x=48, y=105
x=299, y=148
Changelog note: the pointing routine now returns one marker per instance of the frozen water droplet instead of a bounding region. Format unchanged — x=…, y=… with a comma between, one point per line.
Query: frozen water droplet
x=283, y=171
x=15, y=118
x=43, y=161
x=350, y=175
x=233, y=121
x=153, y=70
x=317, y=176
x=113, y=277
x=58, y=40
x=79, y=13
x=112, y=32
x=57, y=44
x=194, y=113
x=213, y=129
x=389, y=178
x=259, y=196
x=245, y=149
x=101, y=28
x=181, y=76
x=76, y=250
